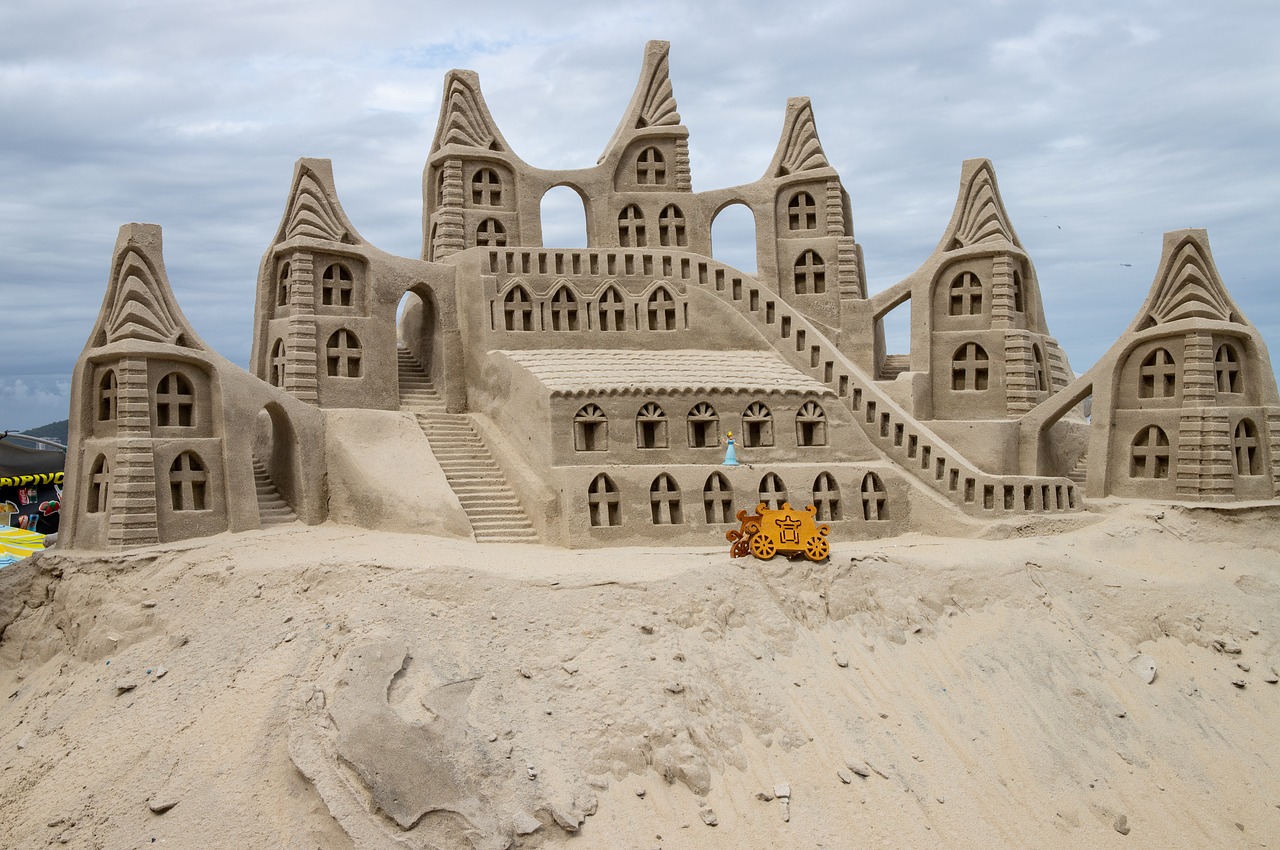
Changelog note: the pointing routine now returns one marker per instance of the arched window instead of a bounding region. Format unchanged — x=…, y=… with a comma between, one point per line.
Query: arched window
x=1150, y=454
x=1017, y=291
x=335, y=286
x=757, y=426
x=517, y=309
x=612, y=310
x=108, y=392
x=651, y=427
x=631, y=228
x=662, y=310
x=187, y=482
x=717, y=499
x=651, y=169
x=491, y=233
x=282, y=286
x=772, y=491
x=1248, y=456
x=875, y=499
x=826, y=497
x=275, y=369
x=664, y=501
x=590, y=429
x=1226, y=365
x=1158, y=377
x=802, y=212
x=603, y=502
x=811, y=425
x=810, y=274
x=671, y=227
x=966, y=295
x=99, y=485
x=969, y=367
x=342, y=353
x=1041, y=376
x=564, y=310
x=175, y=401
x=486, y=188
x=704, y=426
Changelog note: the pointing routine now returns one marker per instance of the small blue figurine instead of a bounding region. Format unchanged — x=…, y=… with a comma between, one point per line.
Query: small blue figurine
x=730, y=455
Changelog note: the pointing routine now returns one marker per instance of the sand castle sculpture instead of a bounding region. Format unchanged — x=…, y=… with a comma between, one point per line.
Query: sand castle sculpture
x=582, y=397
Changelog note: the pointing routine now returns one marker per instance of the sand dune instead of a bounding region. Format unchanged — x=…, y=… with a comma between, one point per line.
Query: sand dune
x=326, y=687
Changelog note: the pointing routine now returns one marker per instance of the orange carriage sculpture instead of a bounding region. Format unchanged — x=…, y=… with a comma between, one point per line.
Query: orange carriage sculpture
x=768, y=532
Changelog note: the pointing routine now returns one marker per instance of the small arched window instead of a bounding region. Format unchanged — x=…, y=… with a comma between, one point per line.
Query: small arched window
x=1226, y=366
x=175, y=401
x=631, y=233
x=826, y=497
x=1158, y=377
x=664, y=501
x=342, y=354
x=282, y=286
x=810, y=274
x=188, y=480
x=108, y=396
x=1041, y=373
x=604, y=503
x=772, y=491
x=336, y=285
x=651, y=427
x=970, y=368
x=99, y=485
x=811, y=425
x=757, y=426
x=651, y=168
x=486, y=188
x=1150, y=453
x=662, y=310
x=671, y=227
x=517, y=309
x=590, y=429
x=490, y=233
x=564, y=310
x=612, y=310
x=1017, y=291
x=1248, y=454
x=875, y=499
x=704, y=426
x=717, y=499
x=275, y=369
x=802, y=212
x=966, y=295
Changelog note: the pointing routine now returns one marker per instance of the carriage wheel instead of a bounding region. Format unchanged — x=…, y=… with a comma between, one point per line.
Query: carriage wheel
x=817, y=548
x=763, y=547
x=740, y=548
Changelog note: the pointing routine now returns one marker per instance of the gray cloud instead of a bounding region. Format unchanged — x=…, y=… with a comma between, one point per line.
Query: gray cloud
x=1108, y=124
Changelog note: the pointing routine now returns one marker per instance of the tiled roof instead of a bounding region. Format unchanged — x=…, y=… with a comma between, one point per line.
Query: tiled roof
x=578, y=372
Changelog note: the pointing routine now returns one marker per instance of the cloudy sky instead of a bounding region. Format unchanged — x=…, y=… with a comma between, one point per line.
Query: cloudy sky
x=1108, y=123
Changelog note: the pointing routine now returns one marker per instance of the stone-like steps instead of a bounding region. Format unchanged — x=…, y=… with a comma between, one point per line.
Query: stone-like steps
x=272, y=508
x=490, y=504
x=894, y=365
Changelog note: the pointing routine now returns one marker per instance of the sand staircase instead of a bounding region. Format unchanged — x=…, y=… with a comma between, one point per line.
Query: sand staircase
x=894, y=365
x=272, y=508
x=489, y=502
x=1080, y=471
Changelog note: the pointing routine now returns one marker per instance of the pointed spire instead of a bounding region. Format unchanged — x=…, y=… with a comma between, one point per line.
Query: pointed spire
x=313, y=209
x=979, y=214
x=654, y=102
x=464, y=116
x=139, y=304
x=799, y=148
x=1187, y=285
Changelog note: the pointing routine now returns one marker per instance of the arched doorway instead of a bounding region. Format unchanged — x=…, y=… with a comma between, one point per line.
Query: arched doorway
x=275, y=454
x=733, y=237
x=564, y=219
x=417, y=329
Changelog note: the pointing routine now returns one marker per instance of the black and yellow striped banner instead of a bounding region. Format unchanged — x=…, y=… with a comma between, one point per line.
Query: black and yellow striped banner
x=32, y=480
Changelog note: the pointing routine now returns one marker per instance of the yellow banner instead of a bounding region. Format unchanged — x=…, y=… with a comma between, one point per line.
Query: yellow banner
x=32, y=480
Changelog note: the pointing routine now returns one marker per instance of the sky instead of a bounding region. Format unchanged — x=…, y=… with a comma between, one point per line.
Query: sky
x=1108, y=124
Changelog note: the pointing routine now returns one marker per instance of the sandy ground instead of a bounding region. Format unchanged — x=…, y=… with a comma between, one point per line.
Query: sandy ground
x=331, y=688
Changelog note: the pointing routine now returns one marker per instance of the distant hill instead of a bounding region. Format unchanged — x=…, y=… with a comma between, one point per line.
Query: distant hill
x=52, y=431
